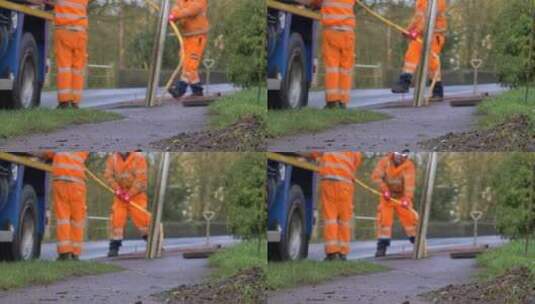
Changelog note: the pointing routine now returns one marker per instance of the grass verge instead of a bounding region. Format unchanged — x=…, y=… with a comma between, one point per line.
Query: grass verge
x=498, y=261
x=22, y=274
x=230, y=261
x=24, y=122
x=306, y=120
x=293, y=274
x=233, y=108
x=503, y=107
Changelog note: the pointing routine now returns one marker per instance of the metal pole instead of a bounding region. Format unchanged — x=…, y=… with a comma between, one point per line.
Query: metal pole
x=157, y=54
x=420, y=251
x=157, y=209
x=419, y=92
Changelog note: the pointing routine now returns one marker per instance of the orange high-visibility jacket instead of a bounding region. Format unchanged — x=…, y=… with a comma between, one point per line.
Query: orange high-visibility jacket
x=129, y=174
x=419, y=19
x=400, y=180
x=71, y=13
x=339, y=166
x=338, y=14
x=192, y=15
x=68, y=166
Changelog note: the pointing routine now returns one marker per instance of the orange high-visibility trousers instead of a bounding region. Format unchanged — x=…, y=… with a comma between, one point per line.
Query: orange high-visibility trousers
x=122, y=210
x=194, y=47
x=385, y=219
x=414, y=52
x=337, y=210
x=69, y=201
x=338, y=50
x=70, y=48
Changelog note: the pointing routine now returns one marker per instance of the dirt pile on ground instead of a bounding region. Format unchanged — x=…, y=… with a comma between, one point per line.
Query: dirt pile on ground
x=517, y=134
x=247, y=286
x=248, y=134
x=517, y=286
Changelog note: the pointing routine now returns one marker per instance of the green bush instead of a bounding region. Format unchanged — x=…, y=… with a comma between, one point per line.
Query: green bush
x=513, y=31
x=245, y=196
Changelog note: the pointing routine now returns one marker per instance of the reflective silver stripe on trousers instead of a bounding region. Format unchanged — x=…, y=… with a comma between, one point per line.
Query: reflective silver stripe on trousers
x=69, y=179
x=72, y=4
x=336, y=178
x=340, y=28
x=69, y=166
x=70, y=16
x=69, y=154
x=73, y=28
x=62, y=222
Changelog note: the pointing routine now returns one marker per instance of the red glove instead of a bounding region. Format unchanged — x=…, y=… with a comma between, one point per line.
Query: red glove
x=412, y=34
x=122, y=195
x=172, y=17
x=405, y=203
x=387, y=195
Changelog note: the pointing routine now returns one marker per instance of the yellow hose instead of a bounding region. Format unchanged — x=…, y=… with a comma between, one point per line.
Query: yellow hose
x=180, y=41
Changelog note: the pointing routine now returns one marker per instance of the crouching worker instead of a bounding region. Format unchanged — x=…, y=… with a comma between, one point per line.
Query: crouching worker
x=193, y=23
x=395, y=175
x=337, y=170
x=126, y=173
x=69, y=201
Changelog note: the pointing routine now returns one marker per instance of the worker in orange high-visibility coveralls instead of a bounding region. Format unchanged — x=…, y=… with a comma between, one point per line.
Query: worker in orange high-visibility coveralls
x=395, y=175
x=69, y=201
x=194, y=26
x=338, y=49
x=70, y=47
x=337, y=170
x=126, y=173
x=414, y=52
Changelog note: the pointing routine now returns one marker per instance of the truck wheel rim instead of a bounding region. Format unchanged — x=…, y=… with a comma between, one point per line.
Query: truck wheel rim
x=295, y=241
x=28, y=231
x=296, y=84
x=28, y=82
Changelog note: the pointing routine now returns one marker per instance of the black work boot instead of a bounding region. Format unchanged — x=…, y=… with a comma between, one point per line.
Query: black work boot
x=382, y=244
x=403, y=85
x=342, y=257
x=178, y=89
x=64, y=257
x=197, y=89
x=438, y=92
x=75, y=257
x=145, y=238
x=114, y=248
x=412, y=239
x=63, y=105
x=74, y=105
x=331, y=257
x=332, y=105
x=342, y=105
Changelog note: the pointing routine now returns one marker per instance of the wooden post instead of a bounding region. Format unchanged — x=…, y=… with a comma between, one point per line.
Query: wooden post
x=155, y=242
x=157, y=54
x=421, y=80
x=420, y=247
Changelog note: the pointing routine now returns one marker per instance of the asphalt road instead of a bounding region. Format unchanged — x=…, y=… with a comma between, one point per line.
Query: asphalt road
x=366, y=249
x=369, y=97
x=106, y=97
x=99, y=249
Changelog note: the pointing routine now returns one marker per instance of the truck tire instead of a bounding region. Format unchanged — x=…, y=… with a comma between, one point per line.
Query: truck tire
x=294, y=243
x=27, y=240
x=26, y=88
x=294, y=87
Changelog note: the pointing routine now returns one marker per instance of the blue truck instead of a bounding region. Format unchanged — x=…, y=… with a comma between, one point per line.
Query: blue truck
x=292, y=39
x=23, y=216
x=291, y=203
x=23, y=52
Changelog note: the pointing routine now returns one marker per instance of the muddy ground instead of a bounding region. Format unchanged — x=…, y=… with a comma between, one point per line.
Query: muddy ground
x=517, y=134
x=403, y=284
x=516, y=286
x=247, y=286
x=245, y=135
x=406, y=129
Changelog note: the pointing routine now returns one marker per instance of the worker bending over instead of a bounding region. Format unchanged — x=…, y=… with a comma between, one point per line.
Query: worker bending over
x=395, y=175
x=338, y=49
x=194, y=26
x=337, y=171
x=69, y=201
x=126, y=173
x=70, y=47
x=414, y=52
